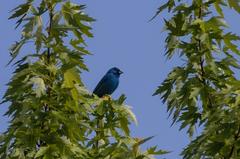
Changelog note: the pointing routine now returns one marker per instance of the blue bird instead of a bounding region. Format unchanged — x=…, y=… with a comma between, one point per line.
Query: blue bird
x=109, y=83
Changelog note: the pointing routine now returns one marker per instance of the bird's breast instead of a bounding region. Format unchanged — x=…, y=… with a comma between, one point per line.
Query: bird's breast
x=112, y=84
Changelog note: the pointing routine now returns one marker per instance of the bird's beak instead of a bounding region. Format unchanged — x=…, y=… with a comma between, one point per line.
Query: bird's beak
x=120, y=72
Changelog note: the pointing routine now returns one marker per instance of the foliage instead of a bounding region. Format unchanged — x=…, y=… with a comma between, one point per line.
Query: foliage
x=204, y=91
x=52, y=114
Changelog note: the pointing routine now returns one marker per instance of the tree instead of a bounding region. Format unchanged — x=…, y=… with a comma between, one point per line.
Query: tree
x=52, y=114
x=205, y=90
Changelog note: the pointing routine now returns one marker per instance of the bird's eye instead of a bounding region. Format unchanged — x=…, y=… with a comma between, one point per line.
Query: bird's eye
x=120, y=72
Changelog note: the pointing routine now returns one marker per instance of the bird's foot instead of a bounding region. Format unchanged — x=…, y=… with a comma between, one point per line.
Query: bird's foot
x=107, y=97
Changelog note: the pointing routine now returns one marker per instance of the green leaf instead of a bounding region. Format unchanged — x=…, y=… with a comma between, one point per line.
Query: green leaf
x=39, y=34
x=15, y=48
x=71, y=77
x=218, y=8
x=142, y=141
x=29, y=27
x=216, y=21
x=41, y=151
x=21, y=10
x=129, y=113
x=124, y=125
x=228, y=38
x=168, y=5
x=235, y=4
x=38, y=86
x=153, y=151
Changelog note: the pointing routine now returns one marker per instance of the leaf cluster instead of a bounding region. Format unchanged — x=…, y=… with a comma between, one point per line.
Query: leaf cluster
x=204, y=91
x=52, y=114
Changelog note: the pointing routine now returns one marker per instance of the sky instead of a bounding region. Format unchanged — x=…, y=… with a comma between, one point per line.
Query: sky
x=123, y=37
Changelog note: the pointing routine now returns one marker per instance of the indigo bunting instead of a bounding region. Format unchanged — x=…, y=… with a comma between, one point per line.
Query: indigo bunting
x=109, y=83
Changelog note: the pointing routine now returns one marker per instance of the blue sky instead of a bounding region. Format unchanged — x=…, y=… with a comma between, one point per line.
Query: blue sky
x=123, y=38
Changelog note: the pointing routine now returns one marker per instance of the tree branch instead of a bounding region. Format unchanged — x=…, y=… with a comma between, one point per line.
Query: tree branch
x=46, y=108
x=49, y=32
x=201, y=61
x=236, y=137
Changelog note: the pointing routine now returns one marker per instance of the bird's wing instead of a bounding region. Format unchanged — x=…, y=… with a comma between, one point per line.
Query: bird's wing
x=100, y=85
